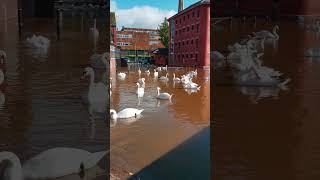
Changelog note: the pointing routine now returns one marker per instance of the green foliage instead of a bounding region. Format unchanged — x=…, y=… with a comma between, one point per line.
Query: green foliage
x=164, y=32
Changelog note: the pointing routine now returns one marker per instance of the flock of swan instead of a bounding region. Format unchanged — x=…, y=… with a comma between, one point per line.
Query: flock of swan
x=186, y=81
x=245, y=57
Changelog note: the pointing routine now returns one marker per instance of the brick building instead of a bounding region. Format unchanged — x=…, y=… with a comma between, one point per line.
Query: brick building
x=137, y=42
x=189, y=36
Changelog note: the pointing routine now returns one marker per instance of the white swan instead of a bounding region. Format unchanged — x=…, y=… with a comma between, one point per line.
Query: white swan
x=268, y=34
x=142, y=83
x=159, y=68
x=147, y=72
x=175, y=78
x=38, y=42
x=139, y=71
x=165, y=68
x=216, y=55
x=52, y=163
x=155, y=74
x=310, y=52
x=94, y=33
x=3, y=57
x=98, y=92
x=125, y=113
x=191, y=85
x=165, y=96
x=164, y=78
x=140, y=90
x=122, y=75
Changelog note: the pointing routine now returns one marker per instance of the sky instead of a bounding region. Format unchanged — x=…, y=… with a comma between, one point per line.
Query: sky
x=144, y=13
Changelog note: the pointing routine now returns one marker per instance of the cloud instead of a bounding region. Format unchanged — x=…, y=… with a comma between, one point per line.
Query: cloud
x=140, y=16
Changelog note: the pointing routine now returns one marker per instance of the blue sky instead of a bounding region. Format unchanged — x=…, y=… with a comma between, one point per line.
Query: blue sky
x=163, y=4
x=144, y=13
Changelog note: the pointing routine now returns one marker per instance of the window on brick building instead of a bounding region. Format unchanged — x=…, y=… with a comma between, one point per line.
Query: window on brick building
x=188, y=29
x=192, y=27
x=192, y=13
x=197, y=28
x=180, y=20
x=192, y=41
x=198, y=13
x=182, y=55
x=176, y=32
x=191, y=55
x=196, y=57
x=188, y=16
x=197, y=43
x=187, y=42
x=184, y=18
x=182, y=43
x=186, y=55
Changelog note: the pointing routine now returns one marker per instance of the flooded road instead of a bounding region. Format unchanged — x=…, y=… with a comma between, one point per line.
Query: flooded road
x=277, y=135
x=171, y=139
x=43, y=105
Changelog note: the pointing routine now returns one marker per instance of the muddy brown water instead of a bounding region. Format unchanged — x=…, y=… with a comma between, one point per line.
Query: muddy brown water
x=145, y=147
x=276, y=136
x=43, y=106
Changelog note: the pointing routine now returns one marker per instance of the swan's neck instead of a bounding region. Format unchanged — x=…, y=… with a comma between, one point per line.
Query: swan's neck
x=174, y=76
x=158, y=92
x=14, y=170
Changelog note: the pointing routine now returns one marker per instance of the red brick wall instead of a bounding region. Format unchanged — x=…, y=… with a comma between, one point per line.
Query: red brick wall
x=11, y=6
x=188, y=53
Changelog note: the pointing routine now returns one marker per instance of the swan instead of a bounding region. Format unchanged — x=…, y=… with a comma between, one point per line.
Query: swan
x=185, y=79
x=38, y=42
x=49, y=164
x=191, y=85
x=156, y=74
x=267, y=34
x=98, y=92
x=164, y=78
x=122, y=75
x=175, y=78
x=165, y=68
x=142, y=83
x=3, y=57
x=159, y=68
x=310, y=52
x=139, y=71
x=165, y=96
x=147, y=72
x=216, y=55
x=93, y=32
x=125, y=113
x=140, y=90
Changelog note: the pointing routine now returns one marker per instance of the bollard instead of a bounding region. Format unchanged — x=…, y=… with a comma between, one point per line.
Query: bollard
x=19, y=22
x=58, y=23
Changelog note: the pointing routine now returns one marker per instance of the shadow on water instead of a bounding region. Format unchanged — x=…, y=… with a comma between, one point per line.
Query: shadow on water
x=189, y=160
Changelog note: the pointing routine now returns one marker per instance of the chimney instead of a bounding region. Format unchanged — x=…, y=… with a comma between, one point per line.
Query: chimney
x=180, y=8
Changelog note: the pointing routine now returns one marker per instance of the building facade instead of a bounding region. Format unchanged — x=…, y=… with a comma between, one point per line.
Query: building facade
x=189, y=36
x=160, y=56
x=137, y=42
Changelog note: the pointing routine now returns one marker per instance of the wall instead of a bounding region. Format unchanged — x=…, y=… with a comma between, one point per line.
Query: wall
x=11, y=6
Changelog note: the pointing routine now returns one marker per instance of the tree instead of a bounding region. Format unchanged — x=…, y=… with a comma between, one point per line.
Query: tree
x=164, y=32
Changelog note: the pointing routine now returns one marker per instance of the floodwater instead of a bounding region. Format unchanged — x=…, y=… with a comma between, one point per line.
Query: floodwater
x=274, y=136
x=43, y=105
x=171, y=139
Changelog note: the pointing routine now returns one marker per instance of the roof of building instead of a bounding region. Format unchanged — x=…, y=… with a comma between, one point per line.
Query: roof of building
x=162, y=51
x=201, y=2
x=137, y=29
x=113, y=21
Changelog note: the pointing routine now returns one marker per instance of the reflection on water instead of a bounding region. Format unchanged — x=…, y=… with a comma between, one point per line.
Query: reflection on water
x=163, y=124
x=43, y=105
x=277, y=138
